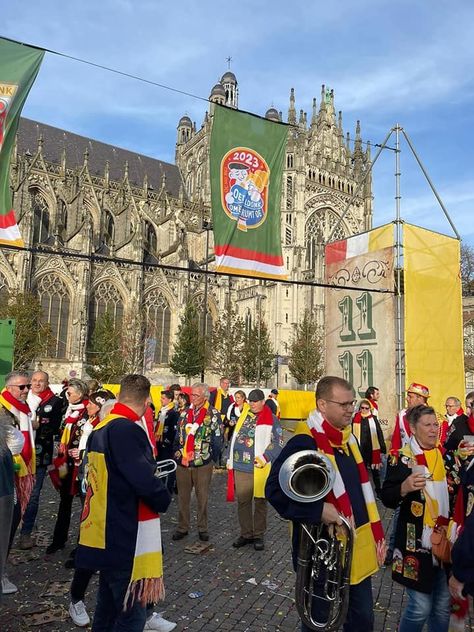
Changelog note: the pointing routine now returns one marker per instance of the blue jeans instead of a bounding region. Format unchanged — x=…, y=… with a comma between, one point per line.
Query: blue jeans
x=109, y=615
x=360, y=614
x=393, y=527
x=31, y=511
x=433, y=609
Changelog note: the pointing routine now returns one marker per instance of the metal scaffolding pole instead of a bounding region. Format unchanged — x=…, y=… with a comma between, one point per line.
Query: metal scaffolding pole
x=398, y=269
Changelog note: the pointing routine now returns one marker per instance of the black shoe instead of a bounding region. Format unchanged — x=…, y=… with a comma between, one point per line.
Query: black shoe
x=204, y=536
x=388, y=558
x=258, y=544
x=241, y=541
x=54, y=548
x=179, y=535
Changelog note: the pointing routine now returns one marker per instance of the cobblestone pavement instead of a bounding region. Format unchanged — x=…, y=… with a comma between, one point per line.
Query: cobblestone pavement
x=242, y=590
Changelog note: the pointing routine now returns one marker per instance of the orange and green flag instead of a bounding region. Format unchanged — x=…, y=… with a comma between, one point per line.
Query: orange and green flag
x=246, y=163
x=19, y=65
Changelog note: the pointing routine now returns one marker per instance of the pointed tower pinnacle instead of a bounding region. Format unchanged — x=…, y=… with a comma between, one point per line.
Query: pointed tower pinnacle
x=292, y=110
x=314, y=115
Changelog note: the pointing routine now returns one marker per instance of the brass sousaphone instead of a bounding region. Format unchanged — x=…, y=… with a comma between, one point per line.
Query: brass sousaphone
x=324, y=553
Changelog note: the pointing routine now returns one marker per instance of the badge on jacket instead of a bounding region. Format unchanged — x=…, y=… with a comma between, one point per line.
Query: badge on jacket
x=416, y=508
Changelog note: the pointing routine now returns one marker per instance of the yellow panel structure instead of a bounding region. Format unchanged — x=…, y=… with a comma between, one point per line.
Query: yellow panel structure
x=433, y=313
x=155, y=392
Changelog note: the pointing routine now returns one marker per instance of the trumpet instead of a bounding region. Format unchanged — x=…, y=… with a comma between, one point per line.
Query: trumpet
x=165, y=468
x=325, y=553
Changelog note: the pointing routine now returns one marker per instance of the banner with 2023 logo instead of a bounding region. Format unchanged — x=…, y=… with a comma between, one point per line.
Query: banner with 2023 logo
x=19, y=65
x=246, y=161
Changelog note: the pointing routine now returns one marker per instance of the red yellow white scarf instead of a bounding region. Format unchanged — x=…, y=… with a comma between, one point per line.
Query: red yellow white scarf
x=25, y=462
x=146, y=582
x=263, y=437
x=194, y=422
x=161, y=420
x=374, y=439
x=327, y=438
x=401, y=433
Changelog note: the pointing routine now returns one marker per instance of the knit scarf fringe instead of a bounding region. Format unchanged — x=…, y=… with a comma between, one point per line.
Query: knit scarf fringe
x=145, y=591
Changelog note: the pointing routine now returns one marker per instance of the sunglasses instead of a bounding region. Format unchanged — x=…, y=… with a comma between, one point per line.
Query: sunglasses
x=22, y=386
x=364, y=408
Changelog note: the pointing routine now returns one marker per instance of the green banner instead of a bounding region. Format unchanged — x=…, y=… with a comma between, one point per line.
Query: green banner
x=19, y=65
x=7, y=342
x=246, y=162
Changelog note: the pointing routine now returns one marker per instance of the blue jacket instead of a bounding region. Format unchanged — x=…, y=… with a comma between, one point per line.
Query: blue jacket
x=121, y=471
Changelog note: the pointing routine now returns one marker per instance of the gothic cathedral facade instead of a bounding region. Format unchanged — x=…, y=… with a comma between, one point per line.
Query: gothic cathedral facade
x=93, y=205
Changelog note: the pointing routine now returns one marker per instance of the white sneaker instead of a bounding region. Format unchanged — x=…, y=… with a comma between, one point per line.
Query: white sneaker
x=8, y=587
x=78, y=614
x=159, y=624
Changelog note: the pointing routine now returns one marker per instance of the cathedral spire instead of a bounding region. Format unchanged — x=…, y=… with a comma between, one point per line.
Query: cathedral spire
x=314, y=115
x=292, y=109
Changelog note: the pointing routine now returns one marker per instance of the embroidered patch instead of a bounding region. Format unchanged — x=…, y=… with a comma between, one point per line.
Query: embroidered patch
x=397, y=564
x=470, y=503
x=406, y=460
x=416, y=508
x=411, y=537
x=246, y=457
x=48, y=408
x=410, y=568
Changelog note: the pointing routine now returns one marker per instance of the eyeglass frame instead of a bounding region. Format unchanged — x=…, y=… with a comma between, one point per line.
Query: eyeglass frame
x=345, y=405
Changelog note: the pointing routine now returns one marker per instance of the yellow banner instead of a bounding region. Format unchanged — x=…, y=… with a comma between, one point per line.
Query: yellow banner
x=433, y=314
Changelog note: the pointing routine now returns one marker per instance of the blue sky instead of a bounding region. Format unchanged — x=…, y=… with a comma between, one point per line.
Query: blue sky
x=407, y=62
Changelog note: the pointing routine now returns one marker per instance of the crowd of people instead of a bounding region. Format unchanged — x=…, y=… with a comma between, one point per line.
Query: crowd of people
x=104, y=450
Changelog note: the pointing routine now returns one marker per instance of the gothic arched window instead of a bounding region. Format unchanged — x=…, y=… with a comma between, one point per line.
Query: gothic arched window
x=199, y=304
x=289, y=193
x=55, y=301
x=158, y=325
x=150, y=242
x=106, y=299
x=318, y=229
x=248, y=322
x=108, y=232
x=41, y=219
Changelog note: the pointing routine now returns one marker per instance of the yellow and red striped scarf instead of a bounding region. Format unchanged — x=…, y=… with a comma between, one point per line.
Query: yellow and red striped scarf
x=25, y=462
x=146, y=582
x=370, y=546
x=193, y=423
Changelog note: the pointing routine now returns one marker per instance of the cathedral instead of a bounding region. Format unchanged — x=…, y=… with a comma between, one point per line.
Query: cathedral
x=123, y=222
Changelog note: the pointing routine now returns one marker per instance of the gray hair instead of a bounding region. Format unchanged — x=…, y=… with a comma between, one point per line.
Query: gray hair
x=79, y=386
x=41, y=371
x=455, y=400
x=106, y=408
x=13, y=374
x=204, y=387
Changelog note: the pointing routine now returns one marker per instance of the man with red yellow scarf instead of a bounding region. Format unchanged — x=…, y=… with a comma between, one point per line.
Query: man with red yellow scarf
x=256, y=442
x=13, y=399
x=328, y=429
x=197, y=445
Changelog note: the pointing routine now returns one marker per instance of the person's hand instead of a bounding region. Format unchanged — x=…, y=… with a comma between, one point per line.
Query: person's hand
x=74, y=453
x=330, y=515
x=466, y=449
x=377, y=466
x=259, y=461
x=414, y=483
x=455, y=588
x=35, y=423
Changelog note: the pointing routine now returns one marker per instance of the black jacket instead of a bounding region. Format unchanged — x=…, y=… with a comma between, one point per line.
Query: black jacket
x=412, y=565
x=48, y=415
x=366, y=439
x=463, y=549
x=165, y=448
x=458, y=429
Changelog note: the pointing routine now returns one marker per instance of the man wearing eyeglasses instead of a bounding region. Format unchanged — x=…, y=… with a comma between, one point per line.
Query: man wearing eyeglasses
x=13, y=402
x=198, y=443
x=328, y=430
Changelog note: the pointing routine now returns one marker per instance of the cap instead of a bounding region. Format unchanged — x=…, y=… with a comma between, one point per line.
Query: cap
x=419, y=389
x=274, y=391
x=256, y=395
